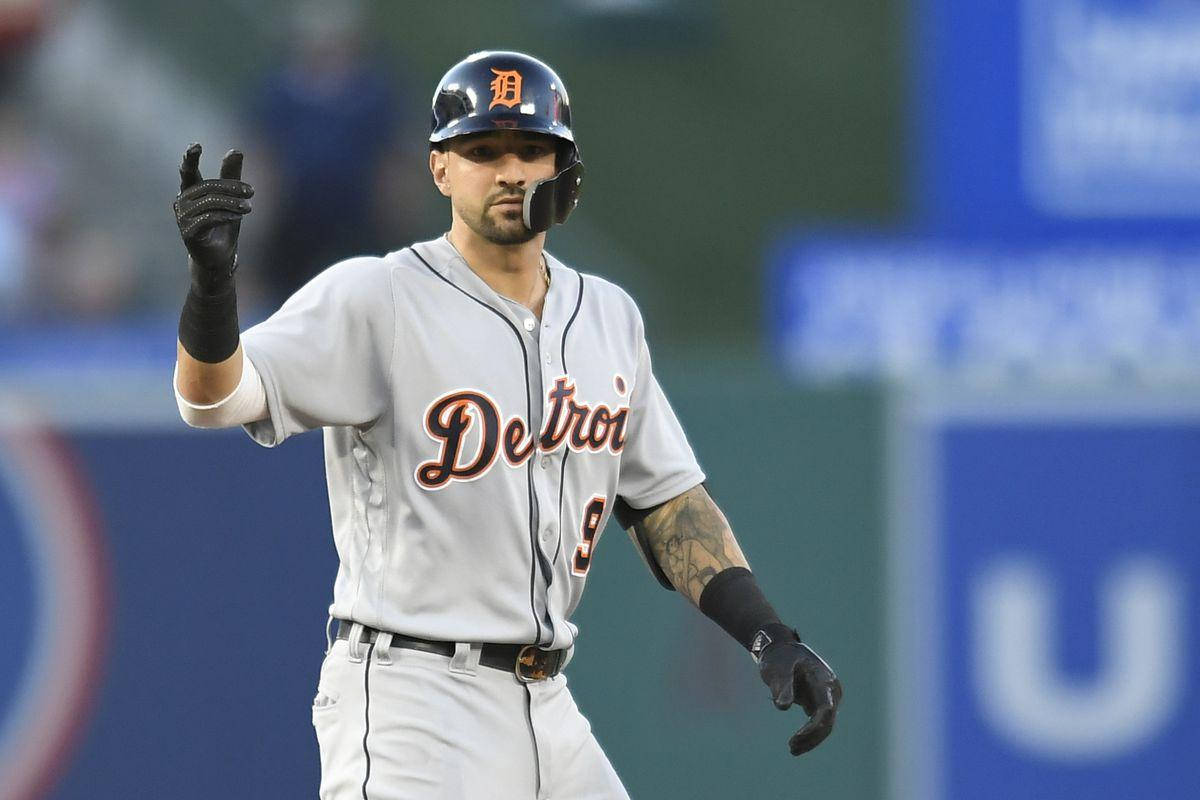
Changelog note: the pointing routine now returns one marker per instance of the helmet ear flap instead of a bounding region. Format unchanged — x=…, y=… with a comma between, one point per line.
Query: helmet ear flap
x=566, y=194
x=551, y=200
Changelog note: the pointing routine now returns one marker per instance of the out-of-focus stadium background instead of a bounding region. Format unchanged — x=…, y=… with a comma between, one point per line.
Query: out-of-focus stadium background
x=922, y=280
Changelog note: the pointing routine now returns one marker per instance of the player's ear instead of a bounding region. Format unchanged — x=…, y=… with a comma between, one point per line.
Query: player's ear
x=437, y=167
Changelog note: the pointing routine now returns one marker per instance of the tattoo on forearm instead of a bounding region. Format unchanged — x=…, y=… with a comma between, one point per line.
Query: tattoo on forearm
x=691, y=540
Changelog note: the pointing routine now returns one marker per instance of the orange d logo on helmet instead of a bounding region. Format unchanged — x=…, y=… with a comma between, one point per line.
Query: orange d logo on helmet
x=506, y=88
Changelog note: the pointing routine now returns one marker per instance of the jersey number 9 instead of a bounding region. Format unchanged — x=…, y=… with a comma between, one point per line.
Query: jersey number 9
x=591, y=525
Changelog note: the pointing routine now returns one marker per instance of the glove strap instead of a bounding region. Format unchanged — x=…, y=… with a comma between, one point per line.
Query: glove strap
x=733, y=600
x=769, y=634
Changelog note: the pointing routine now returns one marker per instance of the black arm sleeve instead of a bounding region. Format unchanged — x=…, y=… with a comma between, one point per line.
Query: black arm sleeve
x=733, y=600
x=630, y=518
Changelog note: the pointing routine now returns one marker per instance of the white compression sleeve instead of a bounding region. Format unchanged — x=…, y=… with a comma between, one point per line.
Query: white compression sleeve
x=246, y=403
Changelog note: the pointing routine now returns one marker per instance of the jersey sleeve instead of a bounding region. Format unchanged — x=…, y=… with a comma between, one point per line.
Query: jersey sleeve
x=657, y=462
x=325, y=356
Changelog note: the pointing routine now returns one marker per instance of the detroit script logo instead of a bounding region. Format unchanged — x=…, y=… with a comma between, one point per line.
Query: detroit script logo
x=451, y=418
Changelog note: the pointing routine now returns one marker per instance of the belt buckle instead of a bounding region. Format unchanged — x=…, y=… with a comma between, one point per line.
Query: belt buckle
x=532, y=664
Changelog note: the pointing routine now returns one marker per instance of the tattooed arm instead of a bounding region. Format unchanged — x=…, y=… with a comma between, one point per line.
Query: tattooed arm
x=691, y=540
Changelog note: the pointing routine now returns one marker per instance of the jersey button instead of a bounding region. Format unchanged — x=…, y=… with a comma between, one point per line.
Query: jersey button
x=530, y=324
x=545, y=462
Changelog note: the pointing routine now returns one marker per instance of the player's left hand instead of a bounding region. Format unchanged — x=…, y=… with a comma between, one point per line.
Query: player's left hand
x=796, y=674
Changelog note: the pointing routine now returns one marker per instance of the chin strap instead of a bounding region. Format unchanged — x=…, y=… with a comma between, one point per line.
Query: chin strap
x=551, y=200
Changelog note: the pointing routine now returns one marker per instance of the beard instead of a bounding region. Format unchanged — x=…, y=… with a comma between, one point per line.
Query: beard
x=508, y=227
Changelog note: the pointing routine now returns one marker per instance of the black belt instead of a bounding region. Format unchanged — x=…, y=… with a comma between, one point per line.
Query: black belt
x=527, y=661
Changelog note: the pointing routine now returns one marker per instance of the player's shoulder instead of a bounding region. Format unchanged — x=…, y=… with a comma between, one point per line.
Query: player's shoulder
x=422, y=262
x=357, y=287
x=355, y=270
x=349, y=280
x=355, y=282
x=608, y=297
x=397, y=269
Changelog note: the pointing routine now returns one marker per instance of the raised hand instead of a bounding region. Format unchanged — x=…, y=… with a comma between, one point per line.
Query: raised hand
x=209, y=214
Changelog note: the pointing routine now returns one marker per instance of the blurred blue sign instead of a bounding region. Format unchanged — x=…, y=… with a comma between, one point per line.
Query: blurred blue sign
x=1110, y=106
x=151, y=631
x=54, y=592
x=995, y=310
x=1052, y=601
x=1045, y=115
x=1056, y=190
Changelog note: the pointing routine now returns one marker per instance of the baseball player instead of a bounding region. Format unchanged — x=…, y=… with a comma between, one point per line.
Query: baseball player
x=485, y=408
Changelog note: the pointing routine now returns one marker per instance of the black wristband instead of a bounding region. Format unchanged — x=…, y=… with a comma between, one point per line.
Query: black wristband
x=208, y=324
x=733, y=600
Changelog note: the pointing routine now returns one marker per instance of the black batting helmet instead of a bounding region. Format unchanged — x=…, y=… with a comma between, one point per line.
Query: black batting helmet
x=505, y=90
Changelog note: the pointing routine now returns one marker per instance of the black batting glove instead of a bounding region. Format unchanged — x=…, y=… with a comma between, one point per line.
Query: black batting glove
x=796, y=674
x=209, y=214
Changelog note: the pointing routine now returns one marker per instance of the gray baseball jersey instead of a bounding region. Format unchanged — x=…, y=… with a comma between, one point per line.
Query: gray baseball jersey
x=473, y=452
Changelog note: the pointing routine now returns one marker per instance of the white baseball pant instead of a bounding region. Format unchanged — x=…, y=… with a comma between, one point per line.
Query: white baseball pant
x=400, y=724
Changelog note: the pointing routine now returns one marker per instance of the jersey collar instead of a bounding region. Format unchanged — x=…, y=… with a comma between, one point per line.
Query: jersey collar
x=560, y=297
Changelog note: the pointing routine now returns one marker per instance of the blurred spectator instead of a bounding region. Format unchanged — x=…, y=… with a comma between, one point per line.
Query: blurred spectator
x=89, y=277
x=30, y=202
x=328, y=123
x=54, y=261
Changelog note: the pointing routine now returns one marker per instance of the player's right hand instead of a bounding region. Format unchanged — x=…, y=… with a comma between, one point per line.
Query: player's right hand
x=209, y=214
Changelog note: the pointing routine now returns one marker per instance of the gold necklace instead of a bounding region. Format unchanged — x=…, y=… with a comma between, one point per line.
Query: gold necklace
x=533, y=290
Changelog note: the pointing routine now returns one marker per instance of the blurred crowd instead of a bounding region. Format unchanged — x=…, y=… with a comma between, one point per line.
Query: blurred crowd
x=331, y=139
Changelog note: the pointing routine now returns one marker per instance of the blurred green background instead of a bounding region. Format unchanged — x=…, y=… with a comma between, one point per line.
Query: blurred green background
x=707, y=128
